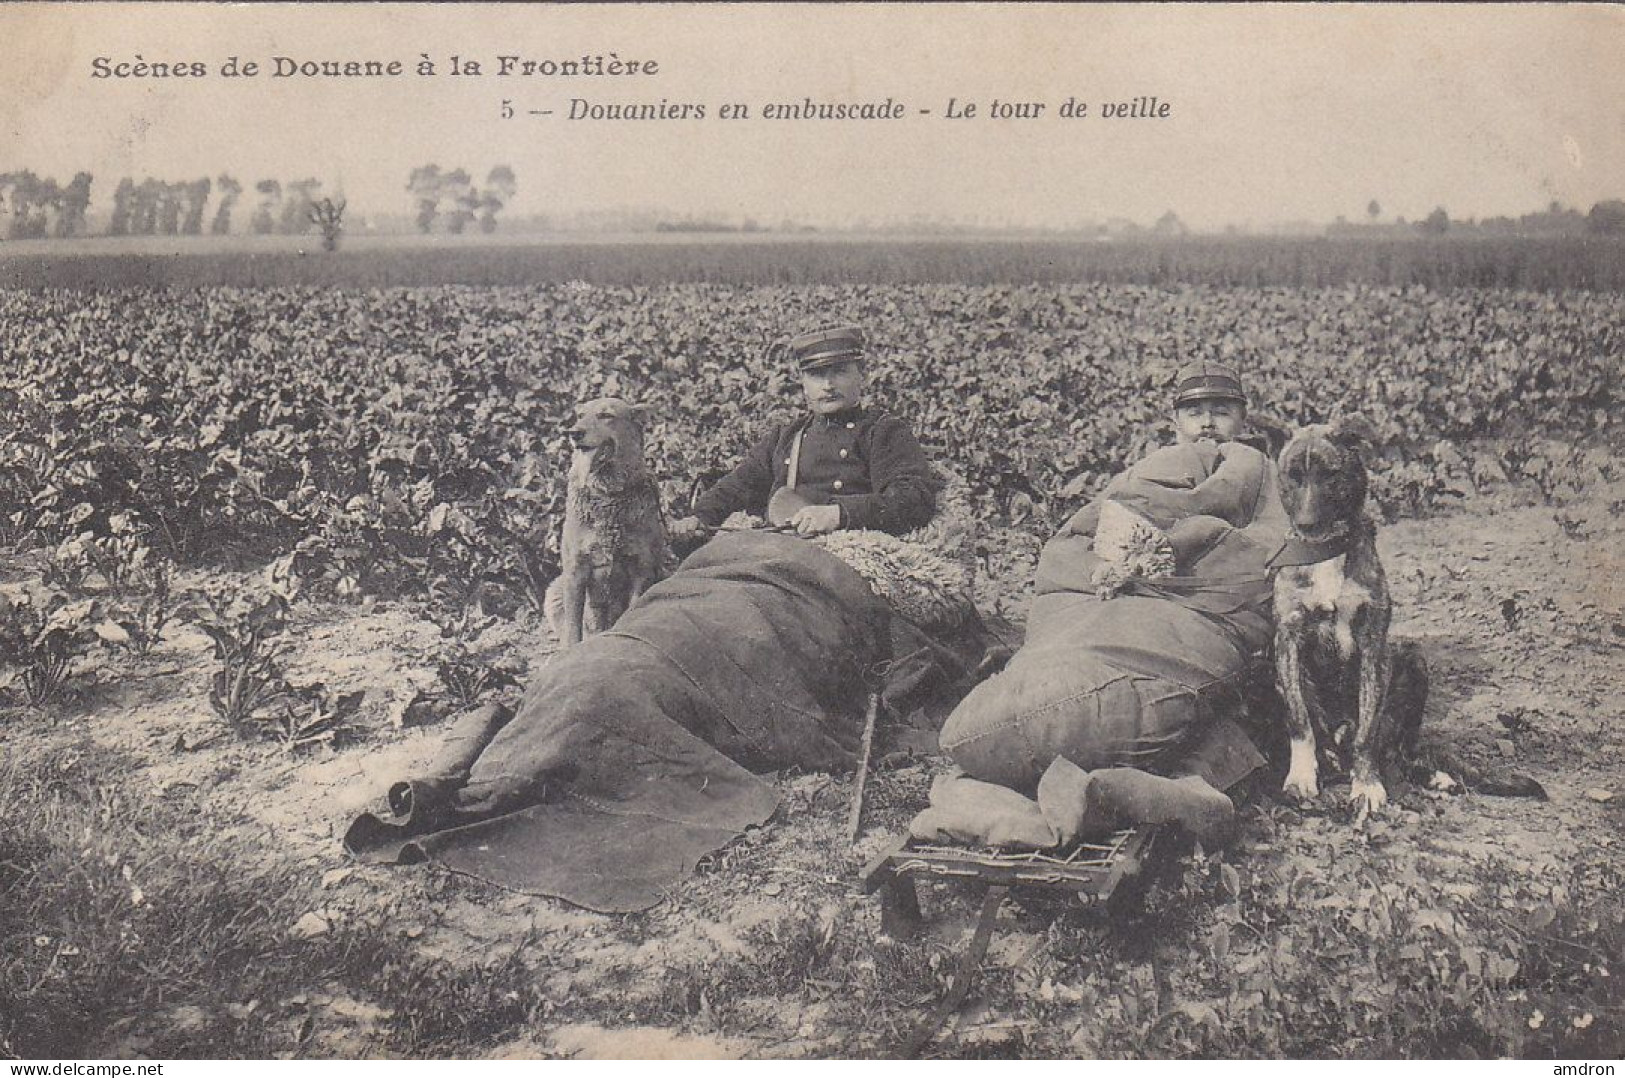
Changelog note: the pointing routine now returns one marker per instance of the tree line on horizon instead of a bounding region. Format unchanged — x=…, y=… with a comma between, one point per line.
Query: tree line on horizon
x=38, y=207
x=448, y=200
x=32, y=207
x=455, y=201
x=1606, y=218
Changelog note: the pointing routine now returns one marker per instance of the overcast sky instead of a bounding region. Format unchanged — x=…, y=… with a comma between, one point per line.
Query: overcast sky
x=1276, y=113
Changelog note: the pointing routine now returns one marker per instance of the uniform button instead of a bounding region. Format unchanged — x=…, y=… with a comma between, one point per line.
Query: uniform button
x=843, y=453
x=837, y=484
x=851, y=426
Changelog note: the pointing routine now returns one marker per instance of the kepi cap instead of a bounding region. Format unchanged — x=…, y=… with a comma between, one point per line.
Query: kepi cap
x=1207, y=381
x=826, y=347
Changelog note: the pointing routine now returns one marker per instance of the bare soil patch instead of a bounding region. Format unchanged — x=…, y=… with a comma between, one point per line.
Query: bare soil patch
x=1453, y=925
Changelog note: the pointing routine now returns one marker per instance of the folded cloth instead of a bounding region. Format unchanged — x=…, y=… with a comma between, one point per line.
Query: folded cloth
x=1086, y=804
x=1072, y=804
x=975, y=813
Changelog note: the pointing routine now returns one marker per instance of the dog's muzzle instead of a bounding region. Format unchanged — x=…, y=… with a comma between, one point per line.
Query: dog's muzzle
x=1318, y=530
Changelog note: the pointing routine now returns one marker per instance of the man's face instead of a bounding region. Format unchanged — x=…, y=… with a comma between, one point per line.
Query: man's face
x=831, y=389
x=1209, y=420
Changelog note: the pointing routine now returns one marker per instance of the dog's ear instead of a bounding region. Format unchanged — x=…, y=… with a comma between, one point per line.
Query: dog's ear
x=1355, y=431
x=1275, y=431
x=640, y=414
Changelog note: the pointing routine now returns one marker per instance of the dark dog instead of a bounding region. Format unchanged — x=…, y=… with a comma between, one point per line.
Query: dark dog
x=1333, y=658
x=614, y=542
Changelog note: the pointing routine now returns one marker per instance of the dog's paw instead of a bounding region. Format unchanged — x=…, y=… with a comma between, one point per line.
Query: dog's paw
x=1368, y=796
x=1302, y=774
x=1301, y=789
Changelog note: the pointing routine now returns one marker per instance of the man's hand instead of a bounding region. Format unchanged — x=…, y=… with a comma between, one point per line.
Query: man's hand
x=816, y=519
x=687, y=528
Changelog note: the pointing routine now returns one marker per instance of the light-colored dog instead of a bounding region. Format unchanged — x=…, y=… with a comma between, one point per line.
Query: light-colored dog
x=614, y=543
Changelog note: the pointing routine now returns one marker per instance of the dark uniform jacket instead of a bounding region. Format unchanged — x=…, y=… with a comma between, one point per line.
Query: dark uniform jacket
x=864, y=460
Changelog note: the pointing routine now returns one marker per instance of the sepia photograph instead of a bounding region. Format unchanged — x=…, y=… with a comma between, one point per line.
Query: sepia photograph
x=811, y=531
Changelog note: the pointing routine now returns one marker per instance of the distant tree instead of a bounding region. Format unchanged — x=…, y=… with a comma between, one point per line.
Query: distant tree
x=264, y=222
x=1373, y=210
x=196, y=197
x=149, y=193
x=329, y=217
x=1436, y=223
x=426, y=185
x=298, y=197
x=454, y=198
x=1607, y=218
x=458, y=187
x=8, y=199
x=23, y=189
x=500, y=186
x=75, y=201
x=132, y=209
x=170, y=198
x=1555, y=218
x=47, y=209
x=229, y=190
x=1169, y=224
x=123, y=197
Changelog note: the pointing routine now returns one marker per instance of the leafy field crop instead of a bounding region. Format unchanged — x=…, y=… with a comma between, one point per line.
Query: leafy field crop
x=416, y=435
x=183, y=472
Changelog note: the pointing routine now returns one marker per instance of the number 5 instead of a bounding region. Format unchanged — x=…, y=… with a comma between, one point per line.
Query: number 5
x=507, y=109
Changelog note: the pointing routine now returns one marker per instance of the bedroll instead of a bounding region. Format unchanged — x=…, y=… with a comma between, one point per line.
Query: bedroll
x=1134, y=680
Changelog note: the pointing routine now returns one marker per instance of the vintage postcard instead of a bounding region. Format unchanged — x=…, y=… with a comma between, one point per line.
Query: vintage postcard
x=811, y=531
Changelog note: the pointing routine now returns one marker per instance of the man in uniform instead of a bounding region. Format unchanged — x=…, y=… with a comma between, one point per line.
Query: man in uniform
x=843, y=465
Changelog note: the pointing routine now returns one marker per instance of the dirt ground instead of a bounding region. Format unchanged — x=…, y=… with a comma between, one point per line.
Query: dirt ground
x=771, y=951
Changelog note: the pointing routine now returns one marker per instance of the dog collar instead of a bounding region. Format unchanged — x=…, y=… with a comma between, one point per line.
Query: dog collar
x=1296, y=550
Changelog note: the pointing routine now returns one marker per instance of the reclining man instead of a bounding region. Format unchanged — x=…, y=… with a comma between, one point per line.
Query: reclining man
x=1112, y=692
x=842, y=465
x=847, y=465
